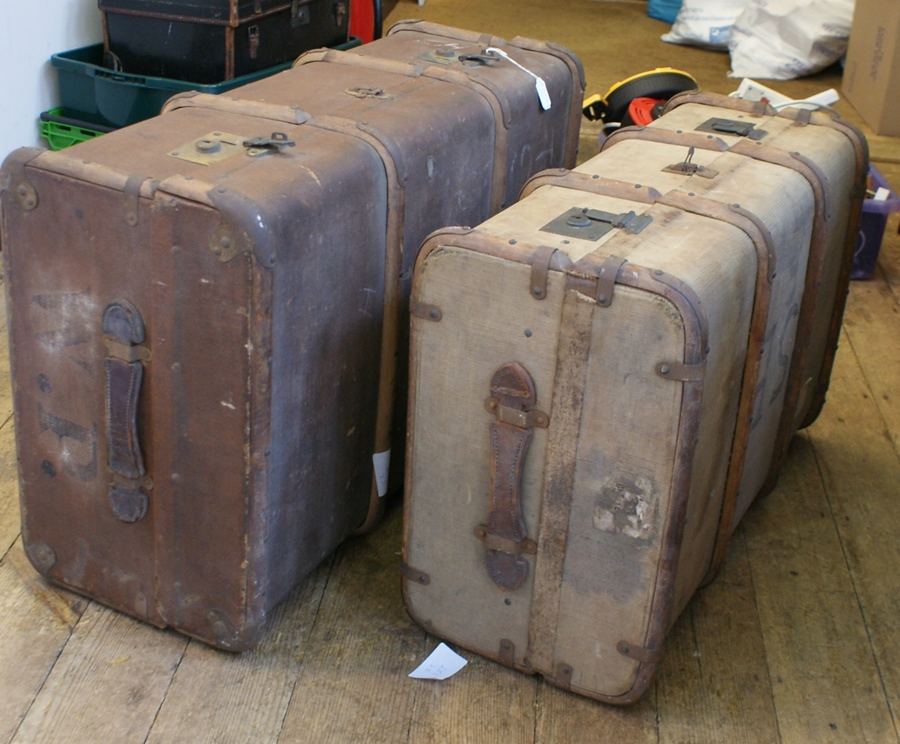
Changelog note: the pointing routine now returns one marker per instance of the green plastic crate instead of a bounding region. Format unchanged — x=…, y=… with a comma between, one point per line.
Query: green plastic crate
x=62, y=131
x=94, y=94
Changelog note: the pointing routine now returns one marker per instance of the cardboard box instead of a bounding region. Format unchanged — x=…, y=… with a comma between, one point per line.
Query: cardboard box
x=872, y=71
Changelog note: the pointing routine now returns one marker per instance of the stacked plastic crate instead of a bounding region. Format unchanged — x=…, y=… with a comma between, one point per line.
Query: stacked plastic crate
x=153, y=50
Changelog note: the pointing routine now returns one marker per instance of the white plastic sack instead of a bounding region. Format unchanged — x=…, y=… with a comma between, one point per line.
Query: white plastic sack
x=705, y=23
x=786, y=39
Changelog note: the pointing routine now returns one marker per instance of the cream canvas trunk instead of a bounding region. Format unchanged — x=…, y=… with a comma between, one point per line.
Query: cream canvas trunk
x=791, y=381
x=594, y=373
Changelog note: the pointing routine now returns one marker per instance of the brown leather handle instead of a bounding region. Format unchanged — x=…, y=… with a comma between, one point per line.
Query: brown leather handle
x=124, y=331
x=123, y=387
x=512, y=401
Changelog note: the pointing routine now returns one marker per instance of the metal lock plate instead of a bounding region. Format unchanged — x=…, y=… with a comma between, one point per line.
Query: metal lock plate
x=734, y=127
x=210, y=148
x=593, y=224
x=453, y=55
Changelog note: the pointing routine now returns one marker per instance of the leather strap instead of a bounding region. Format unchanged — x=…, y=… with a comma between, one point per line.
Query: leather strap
x=123, y=386
x=511, y=389
x=123, y=323
x=124, y=331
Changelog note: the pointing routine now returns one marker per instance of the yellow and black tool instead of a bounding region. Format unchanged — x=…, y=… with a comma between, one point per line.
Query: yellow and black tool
x=661, y=83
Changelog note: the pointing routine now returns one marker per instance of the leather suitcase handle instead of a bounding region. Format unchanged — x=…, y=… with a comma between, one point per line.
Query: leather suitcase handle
x=512, y=401
x=124, y=332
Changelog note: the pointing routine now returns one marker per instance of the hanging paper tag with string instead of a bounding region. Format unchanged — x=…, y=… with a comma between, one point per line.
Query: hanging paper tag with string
x=539, y=84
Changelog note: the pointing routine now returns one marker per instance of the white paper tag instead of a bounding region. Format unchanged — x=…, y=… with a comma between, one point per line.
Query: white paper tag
x=381, y=461
x=881, y=194
x=543, y=93
x=539, y=84
x=441, y=664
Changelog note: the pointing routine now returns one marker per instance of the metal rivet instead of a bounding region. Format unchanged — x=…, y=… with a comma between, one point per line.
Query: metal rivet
x=537, y=291
x=528, y=332
x=22, y=190
x=658, y=272
x=225, y=242
x=513, y=241
x=664, y=369
x=601, y=299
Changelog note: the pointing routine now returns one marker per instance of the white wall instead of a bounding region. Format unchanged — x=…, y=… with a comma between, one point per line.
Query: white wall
x=30, y=31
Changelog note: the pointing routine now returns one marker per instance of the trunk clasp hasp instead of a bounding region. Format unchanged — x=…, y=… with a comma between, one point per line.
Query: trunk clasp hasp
x=593, y=224
x=218, y=146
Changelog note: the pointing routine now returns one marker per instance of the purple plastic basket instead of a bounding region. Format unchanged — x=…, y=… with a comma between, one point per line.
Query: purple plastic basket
x=871, y=228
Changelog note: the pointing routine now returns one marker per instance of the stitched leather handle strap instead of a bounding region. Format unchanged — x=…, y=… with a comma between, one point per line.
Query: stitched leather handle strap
x=124, y=332
x=512, y=402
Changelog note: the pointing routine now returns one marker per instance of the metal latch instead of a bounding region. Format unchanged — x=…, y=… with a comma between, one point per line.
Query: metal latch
x=689, y=168
x=449, y=55
x=361, y=91
x=593, y=224
x=262, y=145
x=479, y=59
x=299, y=14
x=733, y=127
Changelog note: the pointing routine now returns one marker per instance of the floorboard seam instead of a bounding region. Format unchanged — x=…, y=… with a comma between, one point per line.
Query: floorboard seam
x=852, y=575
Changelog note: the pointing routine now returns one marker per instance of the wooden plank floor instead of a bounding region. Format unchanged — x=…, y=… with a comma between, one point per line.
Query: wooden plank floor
x=798, y=640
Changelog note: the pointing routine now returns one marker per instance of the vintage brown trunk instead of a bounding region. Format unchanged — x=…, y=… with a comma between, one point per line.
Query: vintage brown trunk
x=429, y=70
x=594, y=371
x=203, y=322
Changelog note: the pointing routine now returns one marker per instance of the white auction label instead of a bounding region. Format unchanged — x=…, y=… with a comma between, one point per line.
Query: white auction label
x=441, y=664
